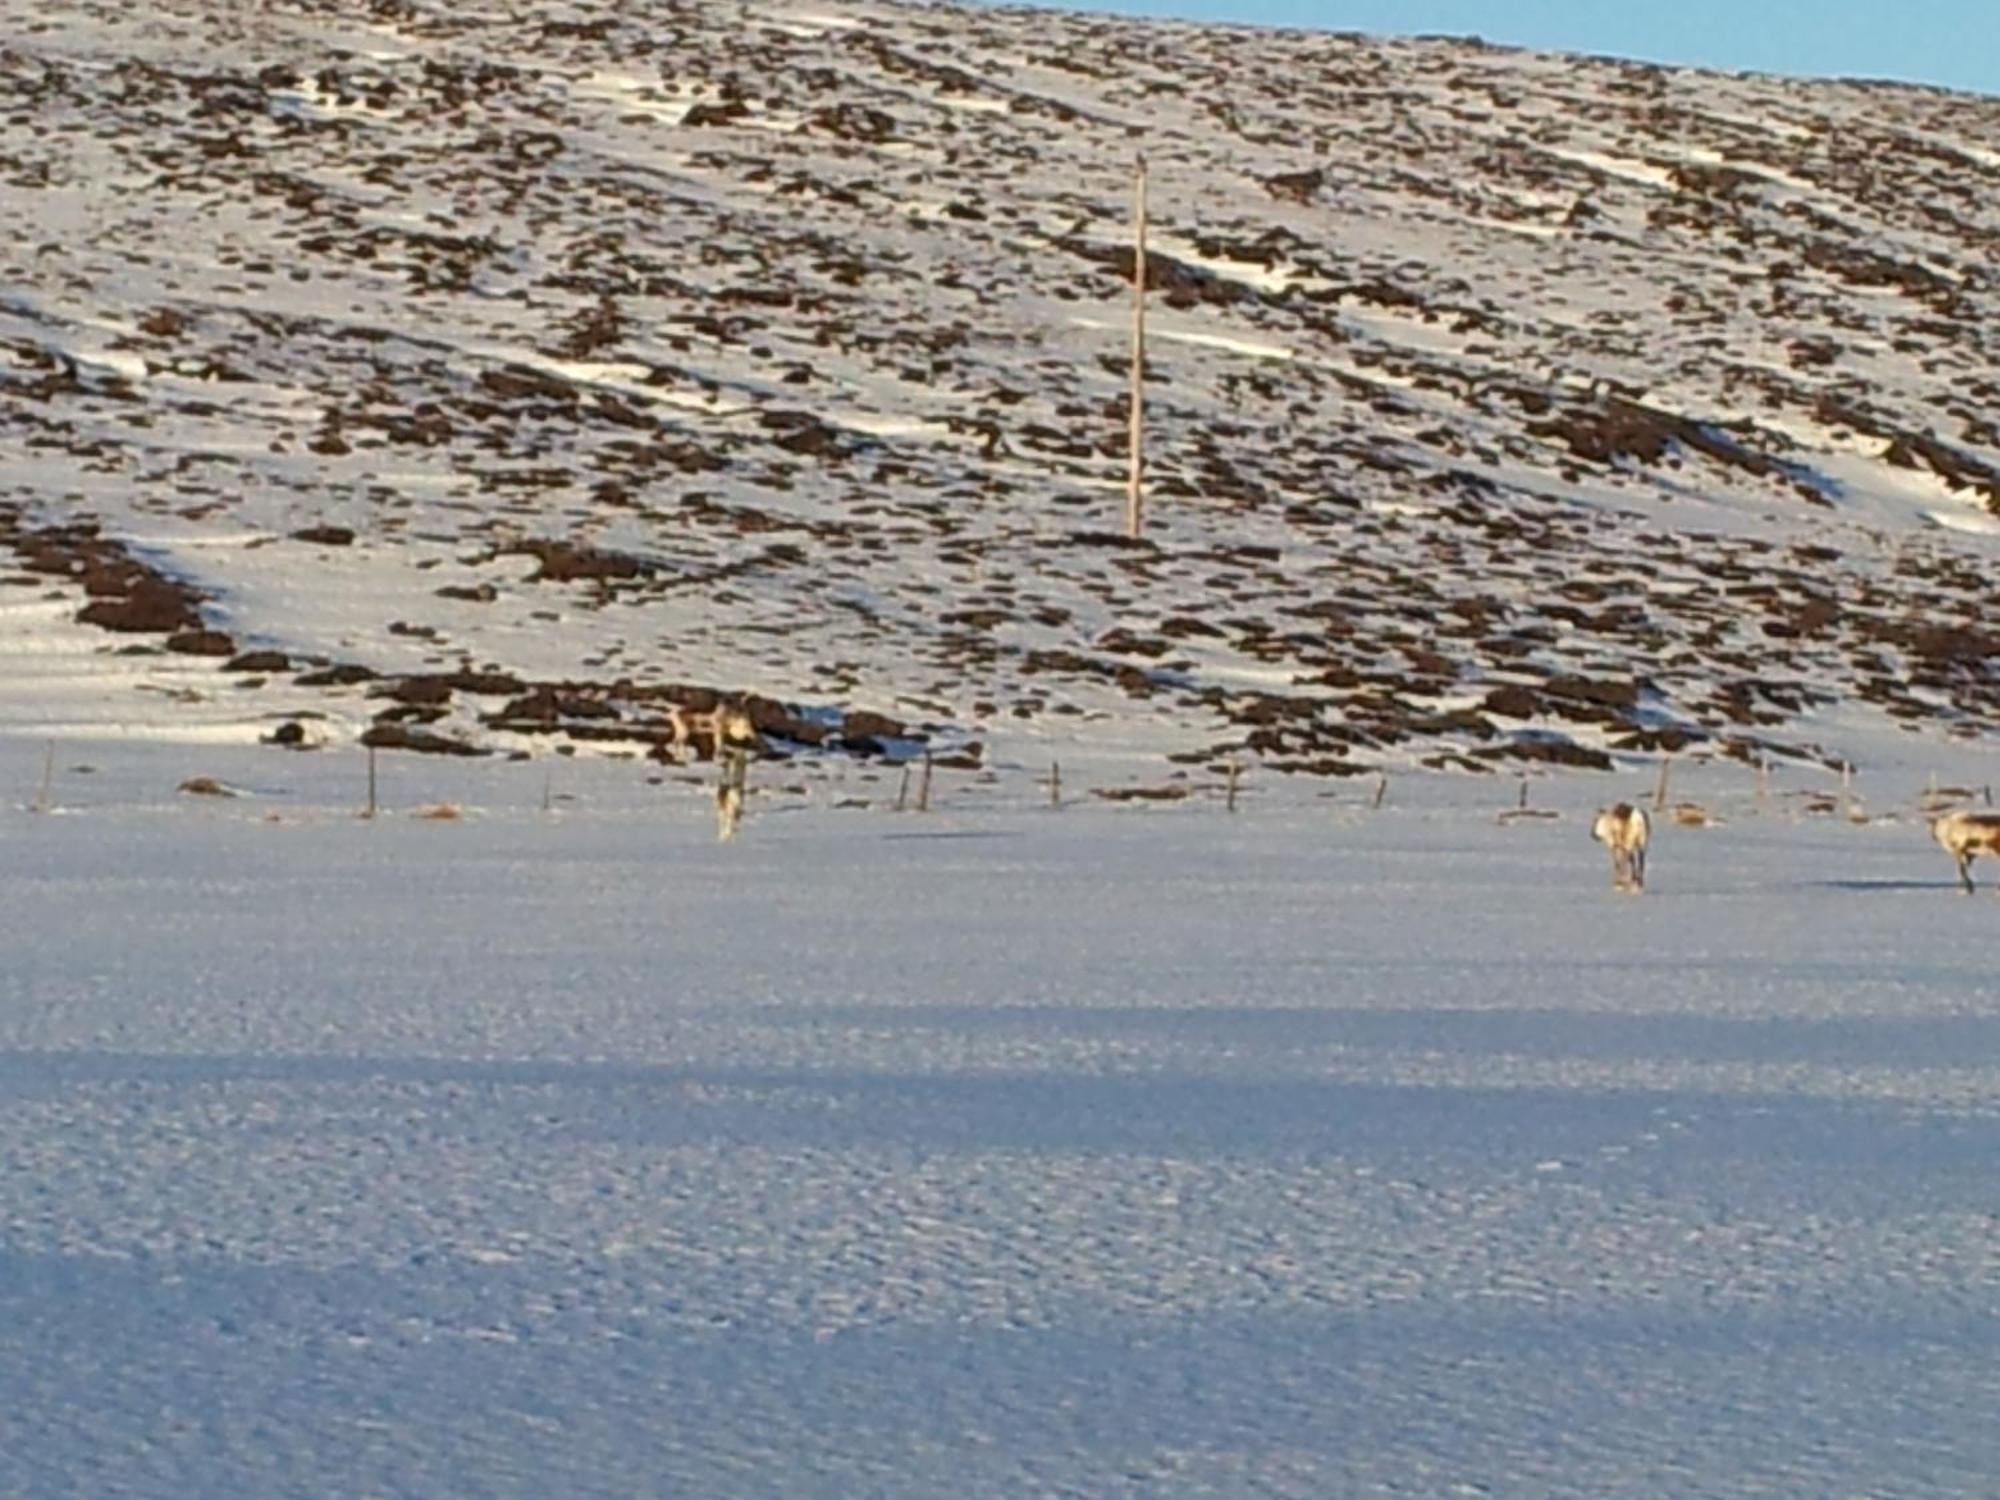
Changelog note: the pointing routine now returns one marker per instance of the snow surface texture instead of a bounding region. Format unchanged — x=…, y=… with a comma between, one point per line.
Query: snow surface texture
x=1503, y=407
x=1313, y=1151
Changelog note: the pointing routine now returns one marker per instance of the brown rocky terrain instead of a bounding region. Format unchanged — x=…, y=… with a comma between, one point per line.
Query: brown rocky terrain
x=486, y=377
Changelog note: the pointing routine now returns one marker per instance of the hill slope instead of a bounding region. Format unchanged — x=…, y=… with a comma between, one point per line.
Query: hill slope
x=495, y=374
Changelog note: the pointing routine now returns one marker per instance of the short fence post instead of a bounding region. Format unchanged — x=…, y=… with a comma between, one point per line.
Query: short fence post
x=1055, y=783
x=371, y=783
x=1135, y=482
x=924, y=786
x=1234, y=772
x=1660, y=791
x=42, y=802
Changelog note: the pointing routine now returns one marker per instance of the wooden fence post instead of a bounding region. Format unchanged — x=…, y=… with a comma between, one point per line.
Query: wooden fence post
x=371, y=783
x=1055, y=783
x=1135, y=484
x=924, y=786
x=1660, y=791
x=42, y=798
x=1235, y=771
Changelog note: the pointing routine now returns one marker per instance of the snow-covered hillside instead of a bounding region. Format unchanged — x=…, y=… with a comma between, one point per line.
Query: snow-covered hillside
x=500, y=375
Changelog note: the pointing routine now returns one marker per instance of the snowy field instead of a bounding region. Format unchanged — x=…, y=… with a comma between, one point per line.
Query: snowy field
x=1315, y=1151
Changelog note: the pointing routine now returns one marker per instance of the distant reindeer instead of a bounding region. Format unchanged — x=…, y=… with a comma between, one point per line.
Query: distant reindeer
x=1964, y=835
x=720, y=727
x=728, y=811
x=1624, y=829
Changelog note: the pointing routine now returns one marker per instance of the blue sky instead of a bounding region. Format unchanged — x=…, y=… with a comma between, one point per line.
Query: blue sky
x=1954, y=42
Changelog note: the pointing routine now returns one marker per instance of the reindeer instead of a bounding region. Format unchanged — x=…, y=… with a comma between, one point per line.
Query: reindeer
x=728, y=811
x=1624, y=829
x=729, y=795
x=724, y=725
x=1964, y=835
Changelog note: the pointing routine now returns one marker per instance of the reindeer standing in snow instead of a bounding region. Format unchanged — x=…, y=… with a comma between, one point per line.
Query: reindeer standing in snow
x=1624, y=829
x=729, y=794
x=724, y=725
x=1964, y=835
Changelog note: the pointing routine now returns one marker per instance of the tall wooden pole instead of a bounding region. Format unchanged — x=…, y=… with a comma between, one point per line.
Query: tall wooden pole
x=1134, y=492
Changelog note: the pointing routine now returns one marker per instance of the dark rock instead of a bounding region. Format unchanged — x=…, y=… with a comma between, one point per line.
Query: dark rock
x=201, y=643
x=1514, y=701
x=866, y=722
x=569, y=562
x=423, y=741
x=721, y=112
x=340, y=674
x=1296, y=187
x=428, y=692
x=153, y=605
x=1548, y=749
x=259, y=661
x=1607, y=693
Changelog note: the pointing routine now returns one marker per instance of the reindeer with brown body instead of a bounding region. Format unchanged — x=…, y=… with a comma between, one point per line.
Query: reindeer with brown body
x=719, y=727
x=1965, y=835
x=1625, y=830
